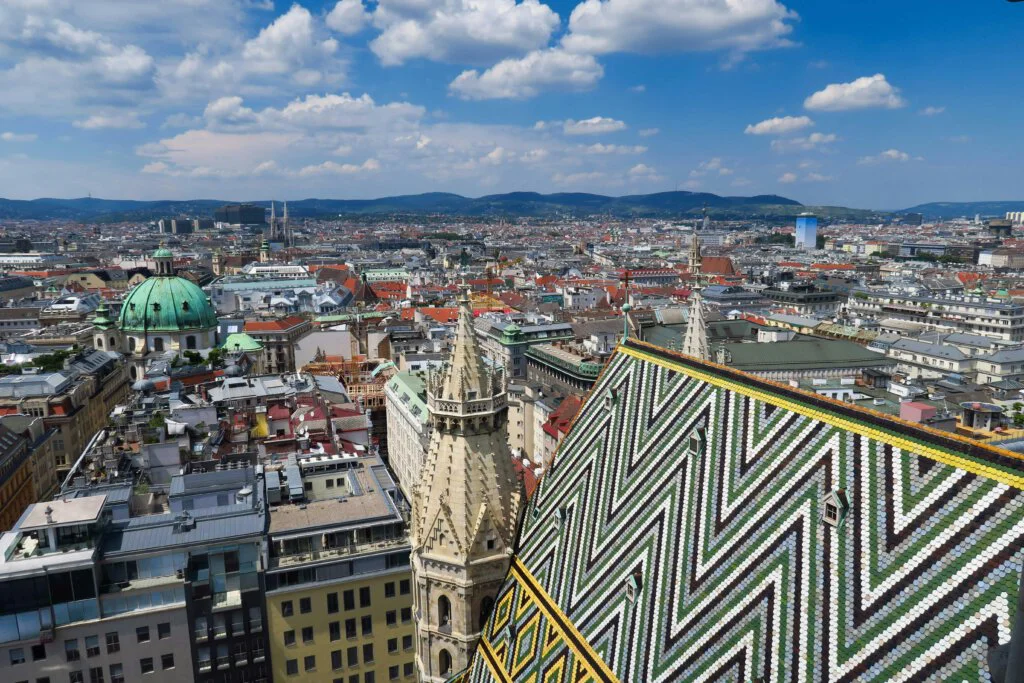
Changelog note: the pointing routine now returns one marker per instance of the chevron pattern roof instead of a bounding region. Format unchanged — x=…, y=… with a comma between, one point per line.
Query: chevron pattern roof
x=648, y=556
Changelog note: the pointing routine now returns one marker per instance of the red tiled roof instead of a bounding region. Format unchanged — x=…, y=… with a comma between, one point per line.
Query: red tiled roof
x=279, y=325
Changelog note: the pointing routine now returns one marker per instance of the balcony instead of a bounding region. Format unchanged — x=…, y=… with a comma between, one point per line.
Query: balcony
x=205, y=664
x=223, y=662
x=200, y=635
x=292, y=560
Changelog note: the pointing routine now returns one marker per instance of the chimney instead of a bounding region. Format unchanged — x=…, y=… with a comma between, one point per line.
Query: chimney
x=49, y=515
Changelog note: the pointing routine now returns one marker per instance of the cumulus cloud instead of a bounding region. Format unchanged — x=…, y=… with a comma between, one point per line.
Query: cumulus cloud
x=596, y=125
x=787, y=178
x=18, y=137
x=334, y=168
x=460, y=31
x=122, y=120
x=649, y=26
x=348, y=17
x=588, y=177
x=713, y=166
x=888, y=155
x=932, y=111
x=645, y=172
x=529, y=76
x=289, y=45
x=863, y=93
x=779, y=125
x=599, y=148
x=818, y=178
x=804, y=143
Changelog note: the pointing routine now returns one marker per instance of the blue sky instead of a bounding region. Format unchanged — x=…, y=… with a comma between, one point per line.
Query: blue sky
x=863, y=103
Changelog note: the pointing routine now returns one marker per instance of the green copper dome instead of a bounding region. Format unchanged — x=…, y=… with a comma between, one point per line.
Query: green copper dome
x=240, y=341
x=166, y=304
x=163, y=252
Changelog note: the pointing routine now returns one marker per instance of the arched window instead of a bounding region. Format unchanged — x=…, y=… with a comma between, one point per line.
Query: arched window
x=190, y=342
x=444, y=611
x=131, y=343
x=444, y=662
x=112, y=343
x=131, y=371
x=486, y=605
x=158, y=343
x=99, y=342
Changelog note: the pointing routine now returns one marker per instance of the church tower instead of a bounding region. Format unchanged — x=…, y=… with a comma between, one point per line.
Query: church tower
x=695, y=339
x=465, y=508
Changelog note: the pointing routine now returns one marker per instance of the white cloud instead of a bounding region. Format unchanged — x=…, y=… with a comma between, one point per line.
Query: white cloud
x=643, y=171
x=787, y=178
x=333, y=168
x=18, y=137
x=779, y=125
x=534, y=156
x=155, y=167
x=528, y=76
x=641, y=88
x=650, y=26
x=348, y=17
x=648, y=132
x=460, y=31
x=122, y=120
x=932, y=111
x=596, y=125
x=887, y=155
x=588, y=177
x=804, y=144
x=713, y=166
x=818, y=178
x=289, y=45
x=863, y=93
x=598, y=148
x=496, y=156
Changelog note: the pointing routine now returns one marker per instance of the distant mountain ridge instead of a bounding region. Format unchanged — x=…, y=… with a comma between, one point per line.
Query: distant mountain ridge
x=662, y=204
x=946, y=210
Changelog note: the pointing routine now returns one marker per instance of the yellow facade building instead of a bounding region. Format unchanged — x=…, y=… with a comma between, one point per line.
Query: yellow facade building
x=339, y=594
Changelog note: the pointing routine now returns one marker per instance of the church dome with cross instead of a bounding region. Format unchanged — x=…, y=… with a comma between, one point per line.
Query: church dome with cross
x=164, y=313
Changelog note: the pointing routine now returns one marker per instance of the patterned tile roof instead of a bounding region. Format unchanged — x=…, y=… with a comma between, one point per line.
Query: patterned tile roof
x=703, y=524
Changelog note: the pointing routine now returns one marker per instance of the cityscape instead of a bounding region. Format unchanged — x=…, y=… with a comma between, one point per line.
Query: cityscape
x=345, y=341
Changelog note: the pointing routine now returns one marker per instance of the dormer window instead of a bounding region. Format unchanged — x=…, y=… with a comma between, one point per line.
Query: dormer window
x=184, y=305
x=562, y=515
x=835, y=507
x=156, y=306
x=634, y=584
x=611, y=398
x=698, y=438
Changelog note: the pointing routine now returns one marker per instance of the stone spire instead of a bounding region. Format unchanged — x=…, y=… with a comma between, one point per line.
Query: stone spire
x=465, y=508
x=695, y=340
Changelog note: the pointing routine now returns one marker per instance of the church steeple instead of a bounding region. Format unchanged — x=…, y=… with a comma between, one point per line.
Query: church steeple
x=465, y=506
x=695, y=340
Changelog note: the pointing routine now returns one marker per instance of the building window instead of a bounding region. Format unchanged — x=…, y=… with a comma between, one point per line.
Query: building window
x=163, y=630
x=407, y=669
x=167, y=661
x=307, y=635
x=406, y=615
x=289, y=638
x=444, y=611
x=17, y=655
x=391, y=617
x=305, y=605
x=403, y=586
x=393, y=672
x=349, y=600
x=309, y=663
x=286, y=608
x=352, y=654
x=92, y=646
x=96, y=674
x=367, y=625
x=291, y=667
x=39, y=652
x=335, y=630
x=336, y=662
x=142, y=634
x=406, y=642
x=332, y=603
x=350, y=628
x=444, y=662
x=190, y=341
x=146, y=665
x=158, y=343
x=369, y=677
x=75, y=677
x=389, y=589
x=364, y=596
x=485, y=610
x=367, y=653
x=392, y=645
x=116, y=673
x=71, y=650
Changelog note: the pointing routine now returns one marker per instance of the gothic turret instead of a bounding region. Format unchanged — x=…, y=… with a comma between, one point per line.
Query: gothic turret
x=465, y=507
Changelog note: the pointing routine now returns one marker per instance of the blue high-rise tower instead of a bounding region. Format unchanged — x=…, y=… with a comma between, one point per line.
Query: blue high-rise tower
x=806, y=231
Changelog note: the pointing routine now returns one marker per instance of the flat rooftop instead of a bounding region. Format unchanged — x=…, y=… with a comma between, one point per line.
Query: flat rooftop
x=64, y=512
x=372, y=504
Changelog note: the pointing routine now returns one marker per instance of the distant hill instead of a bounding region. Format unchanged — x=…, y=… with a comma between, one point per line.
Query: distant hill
x=965, y=209
x=662, y=204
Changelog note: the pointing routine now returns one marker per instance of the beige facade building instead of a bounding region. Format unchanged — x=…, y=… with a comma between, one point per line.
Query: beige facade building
x=465, y=508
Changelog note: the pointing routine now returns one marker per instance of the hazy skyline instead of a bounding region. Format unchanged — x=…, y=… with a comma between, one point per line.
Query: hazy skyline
x=867, y=104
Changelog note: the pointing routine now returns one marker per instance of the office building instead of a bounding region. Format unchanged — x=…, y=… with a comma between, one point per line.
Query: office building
x=806, y=231
x=339, y=593
x=241, y=214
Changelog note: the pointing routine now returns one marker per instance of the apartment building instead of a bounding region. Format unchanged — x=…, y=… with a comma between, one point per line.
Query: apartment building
x=505, y=343
x=977, y=315
x=278, y=338
x=339, y=596
x=408, y=435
